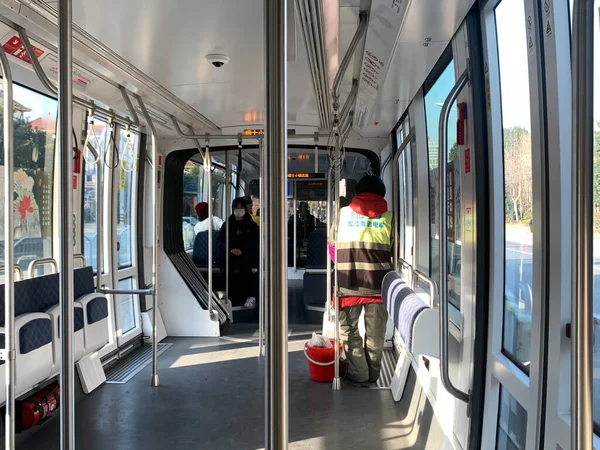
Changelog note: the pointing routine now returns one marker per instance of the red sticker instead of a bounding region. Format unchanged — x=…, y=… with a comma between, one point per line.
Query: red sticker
x=14, y=47
x=468, y=160
x=74, y=182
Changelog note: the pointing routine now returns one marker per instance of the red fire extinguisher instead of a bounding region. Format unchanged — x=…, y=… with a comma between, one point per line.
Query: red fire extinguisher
x=39, y=406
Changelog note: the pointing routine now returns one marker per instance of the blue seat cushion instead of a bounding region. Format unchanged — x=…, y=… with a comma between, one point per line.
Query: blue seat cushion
x=34, y=335
x=41, y=293
x=77, y=319
x=315, y=288
x=200, y=251
x=403, y=305
x=316, y=249
x=97, y=310
x=83, y=282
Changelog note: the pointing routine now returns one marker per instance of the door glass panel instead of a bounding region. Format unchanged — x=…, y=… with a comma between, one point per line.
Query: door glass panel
x=518, y=187
x=408, y=205
x=128, y=146
x=34, y=141
x=126, y=307
x=402, y=206
x=434, y=101
x=512, y=423
x=90, y=198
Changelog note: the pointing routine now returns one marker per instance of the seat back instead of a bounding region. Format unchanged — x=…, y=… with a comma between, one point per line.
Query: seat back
x=41, y=293
x=316, y=250
x=200, y=252
x=403, y=305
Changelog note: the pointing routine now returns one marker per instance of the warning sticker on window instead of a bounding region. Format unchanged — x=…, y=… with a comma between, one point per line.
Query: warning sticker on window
x=15, y=47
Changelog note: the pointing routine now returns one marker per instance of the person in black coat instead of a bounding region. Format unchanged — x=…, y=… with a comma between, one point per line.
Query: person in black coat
x=243, y=251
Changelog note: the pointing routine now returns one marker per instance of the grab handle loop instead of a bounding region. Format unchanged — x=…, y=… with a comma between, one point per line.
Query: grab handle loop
x=111, y=148
x=91, y=134
x=129, y=150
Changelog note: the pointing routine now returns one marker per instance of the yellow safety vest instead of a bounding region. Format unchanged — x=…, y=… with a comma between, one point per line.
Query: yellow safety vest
x=364, y=252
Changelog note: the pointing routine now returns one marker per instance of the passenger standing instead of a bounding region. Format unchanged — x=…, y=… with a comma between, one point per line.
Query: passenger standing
x=244, y=250
x=364, y=252
x=202, y=213
x=249, y=205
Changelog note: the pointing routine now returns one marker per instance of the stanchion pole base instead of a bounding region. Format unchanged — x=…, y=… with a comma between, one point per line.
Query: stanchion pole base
x=337, y=384
x=154, y=382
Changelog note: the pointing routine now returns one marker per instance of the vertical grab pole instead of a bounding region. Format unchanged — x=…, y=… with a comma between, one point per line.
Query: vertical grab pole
x=150, y=124
x=261, y=269
x=443, y=252
x=395, y=196
x=583, y=220
x=276, y=426
x=337, y=385
x=100, y=212
x=208, y=170
x=227, y=203
x=65, y=170
x=9, y=253
x=295, y=230
x=329, y=204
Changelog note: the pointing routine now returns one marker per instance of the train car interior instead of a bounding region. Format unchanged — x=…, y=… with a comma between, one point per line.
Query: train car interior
x=179, y=170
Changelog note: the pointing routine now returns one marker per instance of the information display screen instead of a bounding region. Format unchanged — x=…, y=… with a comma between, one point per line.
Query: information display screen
x=306, y=176
x=310, y=191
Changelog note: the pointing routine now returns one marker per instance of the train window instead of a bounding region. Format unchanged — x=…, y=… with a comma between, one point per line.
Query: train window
x=434, y=100
x=128, y=148
x=34, y=140
x=194, y=191
x=512, y=423
x=90, y=200
x=518, y=186
x=192, y=194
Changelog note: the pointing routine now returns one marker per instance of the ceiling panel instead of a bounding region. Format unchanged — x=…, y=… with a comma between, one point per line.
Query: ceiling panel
x=169, y=39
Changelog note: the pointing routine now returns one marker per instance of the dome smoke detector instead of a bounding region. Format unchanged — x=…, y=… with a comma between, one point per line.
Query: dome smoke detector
x=217, y=60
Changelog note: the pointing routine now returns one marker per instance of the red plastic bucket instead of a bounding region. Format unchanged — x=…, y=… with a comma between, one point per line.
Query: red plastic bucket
x=320, y=362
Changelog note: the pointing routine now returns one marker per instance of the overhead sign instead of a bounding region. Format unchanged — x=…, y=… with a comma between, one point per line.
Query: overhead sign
x=306, y=175
x=14, y=47
x=385, y=23
x=249, y=132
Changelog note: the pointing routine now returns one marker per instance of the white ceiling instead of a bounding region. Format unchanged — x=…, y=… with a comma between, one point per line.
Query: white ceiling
x=169, y=39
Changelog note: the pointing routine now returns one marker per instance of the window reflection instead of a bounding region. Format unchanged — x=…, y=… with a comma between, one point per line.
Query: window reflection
x=34, y=141
x=434, y=101
x=90, y=194
x=518, y=185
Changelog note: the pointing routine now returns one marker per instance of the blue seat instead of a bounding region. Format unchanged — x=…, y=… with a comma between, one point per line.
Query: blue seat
x=37, y=319
x=200, y=251
x=316, y=249
x=405, y=307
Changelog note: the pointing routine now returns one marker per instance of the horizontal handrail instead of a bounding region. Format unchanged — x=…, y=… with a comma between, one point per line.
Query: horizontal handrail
x=363, y=25
x=48, y=84
x=148, y=291
x=433, y=290
x=41, y=262
x=17, y=269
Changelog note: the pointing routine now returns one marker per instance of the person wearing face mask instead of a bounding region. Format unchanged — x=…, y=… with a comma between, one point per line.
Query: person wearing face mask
x=243, y=254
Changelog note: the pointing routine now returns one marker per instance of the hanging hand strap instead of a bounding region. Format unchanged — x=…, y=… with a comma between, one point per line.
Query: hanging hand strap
x=129, y=150
x=91, y=134
x=111, y=148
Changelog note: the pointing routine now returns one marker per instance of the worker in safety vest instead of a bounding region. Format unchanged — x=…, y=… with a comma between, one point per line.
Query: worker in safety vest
x=364, y=256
